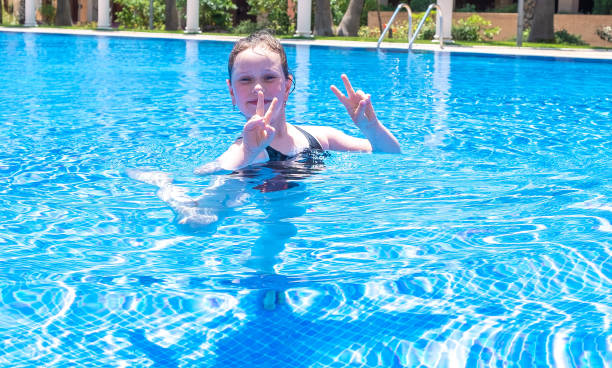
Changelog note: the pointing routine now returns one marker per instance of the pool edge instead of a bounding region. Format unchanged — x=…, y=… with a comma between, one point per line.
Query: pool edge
x=590, y=54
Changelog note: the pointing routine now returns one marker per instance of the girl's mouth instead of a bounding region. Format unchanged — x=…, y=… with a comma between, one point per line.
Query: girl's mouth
x=254, y=102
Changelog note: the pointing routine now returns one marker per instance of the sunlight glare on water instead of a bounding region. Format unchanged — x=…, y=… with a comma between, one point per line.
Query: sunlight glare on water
x=486, y=243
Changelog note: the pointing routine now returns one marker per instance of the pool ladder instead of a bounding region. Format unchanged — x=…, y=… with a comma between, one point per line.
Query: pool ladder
x=412, y=37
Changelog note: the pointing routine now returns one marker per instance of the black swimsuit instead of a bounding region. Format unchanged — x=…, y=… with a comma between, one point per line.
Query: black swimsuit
x=288, y=171
x=313, y=145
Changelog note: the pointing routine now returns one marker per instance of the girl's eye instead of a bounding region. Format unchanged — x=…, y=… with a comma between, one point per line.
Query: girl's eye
x=270, y=77
x=244, y=79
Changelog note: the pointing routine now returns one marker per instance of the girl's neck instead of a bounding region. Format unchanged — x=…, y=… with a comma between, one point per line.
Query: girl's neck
x=280, y=125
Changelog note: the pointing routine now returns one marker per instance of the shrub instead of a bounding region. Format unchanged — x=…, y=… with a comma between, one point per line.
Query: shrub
x=400, y=31
x=48, y=13
x=338, y=8
x=216, y=14
x=429, y=28
x=467, y=8
x=368, y=5
x=602, y=7
x=420, y=5
x=273, y=15
x=525, y=35
x=474, y=28
x=134, y=14
x=565, y=37
x=246, y=27
x=367, y=32
x=510, y=8
x=605, y=33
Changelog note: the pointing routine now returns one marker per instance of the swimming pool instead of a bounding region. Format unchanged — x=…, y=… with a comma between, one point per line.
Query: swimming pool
x=486, y=243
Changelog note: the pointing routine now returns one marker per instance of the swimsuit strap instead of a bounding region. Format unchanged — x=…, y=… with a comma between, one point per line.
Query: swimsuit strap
x=274, y=155
x=313, y=143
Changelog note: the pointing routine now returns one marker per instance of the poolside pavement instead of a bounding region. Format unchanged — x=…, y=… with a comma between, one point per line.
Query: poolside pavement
x=597, y=54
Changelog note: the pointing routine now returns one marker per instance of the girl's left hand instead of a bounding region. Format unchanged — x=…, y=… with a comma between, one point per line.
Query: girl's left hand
x=358, y=104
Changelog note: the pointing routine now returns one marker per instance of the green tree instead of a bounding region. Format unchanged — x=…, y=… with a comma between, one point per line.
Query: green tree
x=134, y=14
x=272, y=14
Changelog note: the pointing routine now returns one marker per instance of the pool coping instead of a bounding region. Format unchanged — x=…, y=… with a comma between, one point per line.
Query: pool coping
x=591, y=54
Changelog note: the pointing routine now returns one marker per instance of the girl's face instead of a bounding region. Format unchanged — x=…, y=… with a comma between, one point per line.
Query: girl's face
x=257, y=70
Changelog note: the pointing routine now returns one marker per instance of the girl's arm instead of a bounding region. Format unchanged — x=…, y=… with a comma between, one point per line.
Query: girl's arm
x=359, y=106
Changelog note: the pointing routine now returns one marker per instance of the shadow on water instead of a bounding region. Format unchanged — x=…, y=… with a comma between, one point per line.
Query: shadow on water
x=281, y=338
x=284, y=339
x=161, y=357
x=276, y=188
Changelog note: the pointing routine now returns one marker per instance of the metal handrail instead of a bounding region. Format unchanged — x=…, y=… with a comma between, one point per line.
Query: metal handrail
x=399, y=7
x=416, y=32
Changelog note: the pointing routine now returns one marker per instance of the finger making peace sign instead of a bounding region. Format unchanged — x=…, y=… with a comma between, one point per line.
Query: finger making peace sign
x=257, y=132
x=358, y=104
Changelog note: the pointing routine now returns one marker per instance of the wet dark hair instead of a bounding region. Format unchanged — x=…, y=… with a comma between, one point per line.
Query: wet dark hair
x=263, y=39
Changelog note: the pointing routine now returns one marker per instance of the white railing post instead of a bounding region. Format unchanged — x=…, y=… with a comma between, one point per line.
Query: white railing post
x=30, y=13
x=304, y=9
x=193, y=17
x=103, y=14
x=446, y=10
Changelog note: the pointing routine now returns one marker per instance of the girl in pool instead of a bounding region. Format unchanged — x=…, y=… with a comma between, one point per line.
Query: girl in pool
x=259, y=84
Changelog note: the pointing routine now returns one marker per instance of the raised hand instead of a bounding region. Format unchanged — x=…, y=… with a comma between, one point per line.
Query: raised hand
x=257, y=132
x=358, y=104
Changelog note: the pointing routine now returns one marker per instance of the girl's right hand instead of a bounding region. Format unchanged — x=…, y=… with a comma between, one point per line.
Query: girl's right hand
x=257, y=133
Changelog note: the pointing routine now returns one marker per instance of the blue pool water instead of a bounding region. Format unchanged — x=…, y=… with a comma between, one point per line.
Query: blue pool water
x=487, y=243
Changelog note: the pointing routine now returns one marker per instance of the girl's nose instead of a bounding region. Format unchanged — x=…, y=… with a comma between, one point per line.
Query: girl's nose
x=258, y=87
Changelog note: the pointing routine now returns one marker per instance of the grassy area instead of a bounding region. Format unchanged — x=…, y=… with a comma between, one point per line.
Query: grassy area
x=92, y=26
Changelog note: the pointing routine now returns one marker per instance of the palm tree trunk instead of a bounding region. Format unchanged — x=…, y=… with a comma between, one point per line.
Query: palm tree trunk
x=172, y=23
x=349, y=25
x=323, y=19
x=63, y=16
x=542, y=28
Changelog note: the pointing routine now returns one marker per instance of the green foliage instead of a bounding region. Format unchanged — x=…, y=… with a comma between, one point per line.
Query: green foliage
x=216, y=14
x=368, y=5
x=429, y=27
x=510, y=8
x=272, y=14
x=468, y=8
x=367, y=32
x=525, y=35
x=134, y=14
x=246, y=27
x=567, y=38
x=605, y=33
x=420, y=5
x=48, y=13
x=338, y=8
x=7, y=17
x=602, y=7
x=474, y=28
